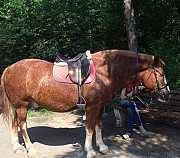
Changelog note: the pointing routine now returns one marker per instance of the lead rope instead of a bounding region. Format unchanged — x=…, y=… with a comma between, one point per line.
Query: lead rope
x=135, y=74
x=144, y=103
x=134, y=96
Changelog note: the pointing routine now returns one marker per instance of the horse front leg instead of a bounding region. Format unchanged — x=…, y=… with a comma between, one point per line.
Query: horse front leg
x=99, y=141
x=88, y=144
x=91, y=115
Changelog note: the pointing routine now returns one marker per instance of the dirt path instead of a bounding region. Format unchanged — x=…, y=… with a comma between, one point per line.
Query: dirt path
x=63, y=135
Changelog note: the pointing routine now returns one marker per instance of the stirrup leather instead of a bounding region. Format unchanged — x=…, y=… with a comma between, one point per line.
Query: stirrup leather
x=79, y=70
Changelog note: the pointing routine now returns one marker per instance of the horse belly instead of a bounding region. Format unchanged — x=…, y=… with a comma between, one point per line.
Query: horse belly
x=54, y=96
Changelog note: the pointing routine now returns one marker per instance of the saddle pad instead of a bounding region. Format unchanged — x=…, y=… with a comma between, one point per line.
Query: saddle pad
x=61, y=73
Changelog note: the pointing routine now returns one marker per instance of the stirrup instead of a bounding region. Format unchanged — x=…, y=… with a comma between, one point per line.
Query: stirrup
x=81, y=103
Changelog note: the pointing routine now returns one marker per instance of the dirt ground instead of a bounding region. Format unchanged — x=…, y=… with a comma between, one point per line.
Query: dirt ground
x=62, y=135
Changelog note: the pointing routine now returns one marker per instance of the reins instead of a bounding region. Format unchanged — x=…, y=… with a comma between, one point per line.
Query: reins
x=148, y=76
x=135, y=73
x=144, y=103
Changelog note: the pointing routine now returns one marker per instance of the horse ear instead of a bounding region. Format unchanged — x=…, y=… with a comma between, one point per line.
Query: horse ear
x=156, y=60
x=162, y=62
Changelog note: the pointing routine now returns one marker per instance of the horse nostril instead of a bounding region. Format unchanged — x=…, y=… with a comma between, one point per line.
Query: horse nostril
x=166, y=96
x=163, y=97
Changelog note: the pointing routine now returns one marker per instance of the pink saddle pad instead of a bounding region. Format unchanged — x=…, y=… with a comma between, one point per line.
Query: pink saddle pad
x=61, y=73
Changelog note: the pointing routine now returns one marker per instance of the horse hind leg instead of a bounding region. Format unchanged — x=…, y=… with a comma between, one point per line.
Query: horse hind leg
x=21, y=117
x=17, y=148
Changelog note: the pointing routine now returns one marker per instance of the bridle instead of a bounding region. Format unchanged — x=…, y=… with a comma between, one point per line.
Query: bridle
x=158, y=89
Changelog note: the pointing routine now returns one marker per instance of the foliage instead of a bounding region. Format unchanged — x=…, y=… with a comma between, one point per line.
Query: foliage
x=169, y=50
x=158, y=28
x=116, y=100
x=40, y=28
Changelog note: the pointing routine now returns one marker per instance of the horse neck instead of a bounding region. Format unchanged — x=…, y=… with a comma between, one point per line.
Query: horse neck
x=121, y=67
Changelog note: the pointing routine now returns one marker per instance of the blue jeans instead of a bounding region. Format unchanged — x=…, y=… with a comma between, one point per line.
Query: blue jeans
x=133, y=114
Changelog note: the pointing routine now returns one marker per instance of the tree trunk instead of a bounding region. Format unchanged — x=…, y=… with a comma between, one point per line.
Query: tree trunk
x=130, y=25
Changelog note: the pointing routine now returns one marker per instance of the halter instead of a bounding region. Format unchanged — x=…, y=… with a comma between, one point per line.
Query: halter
x=158, y=89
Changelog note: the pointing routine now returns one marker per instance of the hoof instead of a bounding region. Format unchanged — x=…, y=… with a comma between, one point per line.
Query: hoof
x=32, y=153
x=91, y=154
x=18, y=149
x=106, y=151
x=95, y=156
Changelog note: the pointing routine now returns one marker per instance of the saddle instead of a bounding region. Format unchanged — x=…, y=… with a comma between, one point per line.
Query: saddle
x=79, y=69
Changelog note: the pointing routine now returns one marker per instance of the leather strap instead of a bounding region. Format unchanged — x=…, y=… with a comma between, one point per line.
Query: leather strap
x=136, y=71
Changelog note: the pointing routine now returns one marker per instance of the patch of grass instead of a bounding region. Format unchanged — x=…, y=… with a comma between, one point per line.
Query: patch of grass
x=45, y=112
x=31, y=112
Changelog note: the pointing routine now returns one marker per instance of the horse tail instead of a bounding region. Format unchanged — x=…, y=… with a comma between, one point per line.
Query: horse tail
x=8, y=110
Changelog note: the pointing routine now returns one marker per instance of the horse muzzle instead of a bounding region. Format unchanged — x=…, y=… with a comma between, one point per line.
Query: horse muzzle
x=163, y=97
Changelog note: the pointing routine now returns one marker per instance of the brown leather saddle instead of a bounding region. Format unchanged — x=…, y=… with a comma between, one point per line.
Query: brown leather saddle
x=79, y=70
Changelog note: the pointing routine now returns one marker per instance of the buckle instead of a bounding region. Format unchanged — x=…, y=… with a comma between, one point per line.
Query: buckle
x=81, y=105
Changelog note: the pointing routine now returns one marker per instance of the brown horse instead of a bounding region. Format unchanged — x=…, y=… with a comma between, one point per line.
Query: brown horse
x=31, y=80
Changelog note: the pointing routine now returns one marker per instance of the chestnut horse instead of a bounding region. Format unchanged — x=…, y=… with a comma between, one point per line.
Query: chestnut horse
x=31, y=80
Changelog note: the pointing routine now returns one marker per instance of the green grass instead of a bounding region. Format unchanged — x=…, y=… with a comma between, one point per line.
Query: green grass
x=32, y=112
x=45, y=112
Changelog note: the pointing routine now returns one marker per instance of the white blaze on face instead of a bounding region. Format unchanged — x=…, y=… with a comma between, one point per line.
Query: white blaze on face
x=165, y=82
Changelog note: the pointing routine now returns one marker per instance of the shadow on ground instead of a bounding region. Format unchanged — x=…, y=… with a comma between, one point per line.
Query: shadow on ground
x=55, y=136
x=162, y=140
